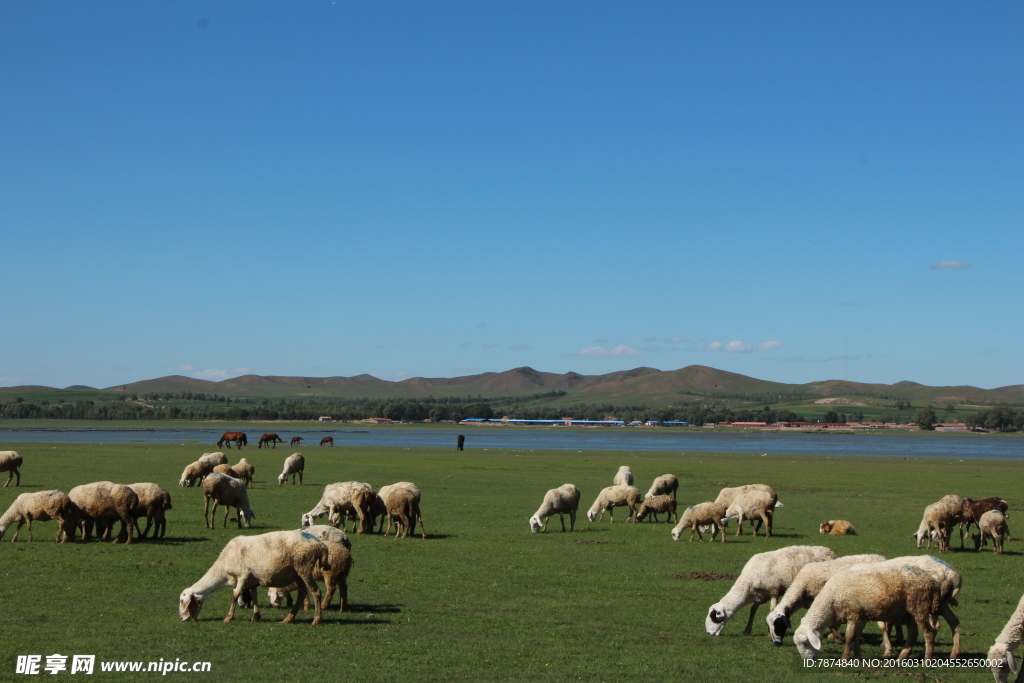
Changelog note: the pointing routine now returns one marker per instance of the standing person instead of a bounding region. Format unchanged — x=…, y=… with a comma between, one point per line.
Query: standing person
x=462, y=442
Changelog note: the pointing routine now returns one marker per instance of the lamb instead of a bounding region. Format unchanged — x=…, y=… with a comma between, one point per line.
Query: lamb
x=992, y=525
x=214, y=459
x=837, y=527
x=624, y=477
x=41, y=506
x=936, y=523
x=104, y=503
x=612, y=497
x=403, y=507
x=875, y=592
x=696, y=517
x=242, y=471
x=276, y=559
x=805, y=587
x=293, y=464
x=1007, y=641
x=727, y=496
x=229, y=492
x=754, y=505
x=10, y=461
x=154, y=500
x=349, y=498
x=765, y=576
x=340, y=559
x=195, y=472
x=564, y=500
x=657, y=504
x=663, y=485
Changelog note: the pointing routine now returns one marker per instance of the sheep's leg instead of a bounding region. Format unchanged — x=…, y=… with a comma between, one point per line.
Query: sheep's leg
x=17, y=531
x=695, y=529
x=300, y=477
x=954, y=626
x=299, y=599
x=750, y=620
x=143, y=534
x=929, y=637
x=884, y=626
x=739, y=525
x=206, y=512
x=239, y=588
x=329, y=594
x=238, y=516
x=256, y=616
x=10, y=475
x=315, y=590
x=561, y=518
x=29, y=528
x=767, y=524
x=601, y=517
x=342, y=593
x=127, y=522
x=911, y=640
x=722, y=528
x=572, y=523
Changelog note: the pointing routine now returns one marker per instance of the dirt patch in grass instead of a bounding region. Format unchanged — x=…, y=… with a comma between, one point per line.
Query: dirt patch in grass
x=591, y=542
x=706, y=576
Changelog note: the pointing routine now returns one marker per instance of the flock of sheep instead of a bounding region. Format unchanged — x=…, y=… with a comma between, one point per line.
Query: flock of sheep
x=911, y=591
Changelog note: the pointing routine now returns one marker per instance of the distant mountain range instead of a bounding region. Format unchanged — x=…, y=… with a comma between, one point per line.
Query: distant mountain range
x=637, y=386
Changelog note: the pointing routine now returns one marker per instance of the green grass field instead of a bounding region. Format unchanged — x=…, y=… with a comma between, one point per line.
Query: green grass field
x=482, y=598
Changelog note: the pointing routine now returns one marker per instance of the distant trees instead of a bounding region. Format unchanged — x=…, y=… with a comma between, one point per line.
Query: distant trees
x=926, y=418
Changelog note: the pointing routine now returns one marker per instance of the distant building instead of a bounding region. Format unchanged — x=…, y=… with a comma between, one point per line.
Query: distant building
x=325, y=418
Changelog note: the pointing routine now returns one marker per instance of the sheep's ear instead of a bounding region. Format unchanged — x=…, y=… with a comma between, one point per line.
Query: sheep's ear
x=814, y=640
x=1008, y=658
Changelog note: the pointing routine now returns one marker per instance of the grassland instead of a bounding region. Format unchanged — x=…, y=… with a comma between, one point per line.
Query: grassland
x=482, y=598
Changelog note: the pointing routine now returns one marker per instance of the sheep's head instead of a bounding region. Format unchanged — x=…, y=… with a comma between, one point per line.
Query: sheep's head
x=189, y=605
x=807, y=642
x=247, y=517
x=778, y=622
x=592, y=515
x=281, y=479
x=535, y=524
x=676, y=533
x=307, y=520
x=826, y=527
x=1006, y=665
x=715, y=621
x=275, y=597
x=920, y=536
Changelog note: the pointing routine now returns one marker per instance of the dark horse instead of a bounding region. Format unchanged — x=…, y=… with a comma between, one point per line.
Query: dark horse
x=327, y=441
x=237, y=437
x=296, y=440
x=270, y=438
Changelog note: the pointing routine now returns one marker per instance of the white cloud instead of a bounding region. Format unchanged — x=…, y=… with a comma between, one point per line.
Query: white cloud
x=680, y=340
x=738, y=347
x=949, y=265
x=714, y=346
x=218, y=375
x=620, y=351
x=187, y=368
x=765, y=346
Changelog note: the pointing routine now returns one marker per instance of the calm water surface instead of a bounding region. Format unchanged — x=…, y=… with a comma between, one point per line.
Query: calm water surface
x=602, y=439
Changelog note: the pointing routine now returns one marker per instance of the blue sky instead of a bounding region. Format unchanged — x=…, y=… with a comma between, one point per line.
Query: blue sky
x=794, y=191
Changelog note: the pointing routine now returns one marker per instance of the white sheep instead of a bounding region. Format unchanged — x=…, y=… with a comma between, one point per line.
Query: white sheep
x=727, y=495
x=656, y=505
x=564, y=500
x=663, y=485
x=1007, y=641
x=195, y=472
x=213, y=459
x=754, y=505
x=41, y=506
x=343, y=500
x=104, y=503
x=936, y=523
x=624, y=477
x=698, y=518
x=765, y=576
x=293, y=465
x=805, y=587
x=340, y=559
x=154, y=501
x=229, y=492
x=612, y=497
x=872, y=592
x=10, y=462
x=992, y=525
x=275, y=559
x=402, y=506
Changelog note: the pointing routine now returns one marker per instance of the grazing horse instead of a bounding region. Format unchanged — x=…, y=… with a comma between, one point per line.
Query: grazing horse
x=237, y=437
x=270, y=438
x=296, y=440
x=327, y=441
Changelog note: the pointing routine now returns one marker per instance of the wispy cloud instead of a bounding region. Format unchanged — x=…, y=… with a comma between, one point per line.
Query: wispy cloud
x=620, y=351
x=829, y=359
x=738, y=347
x=187, y=368
x=683, y=340
x=215, y=375
x=949, y=265
x=488, y=346
x=768, y=345
x=520, y=347
x=713, y=346
x=651, y=349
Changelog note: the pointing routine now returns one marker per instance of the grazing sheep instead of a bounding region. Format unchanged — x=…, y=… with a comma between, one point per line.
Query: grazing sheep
x=612, y=497
x=872, y=592
x=343, y=500
x=698, y=518
x=765, y=576
x=757, y=506
x=955, y=506
x=42, y=506
x=340, y=559
x=972, y=510
x=403, y=507
x=10, y=462
x=805, y=587
x=728, y=495
x=936, y=523
x=154, y=500
x=275, y=559
x=624, y=477
x=104, y=503
x=837, y=527
x=242, y=470
x=992, y=525
x=195, y=472
x=214, y=459
x=1007, y=641
x=293, y=465
x=949, y=581
x=564, y=500
x=657, y=504
x=229, y=492
x=663, y=485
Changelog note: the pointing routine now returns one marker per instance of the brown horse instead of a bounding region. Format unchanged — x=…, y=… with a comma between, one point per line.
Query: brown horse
x=268, y=439
x=237, y=437
x=296, y=440
x=327, y=441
